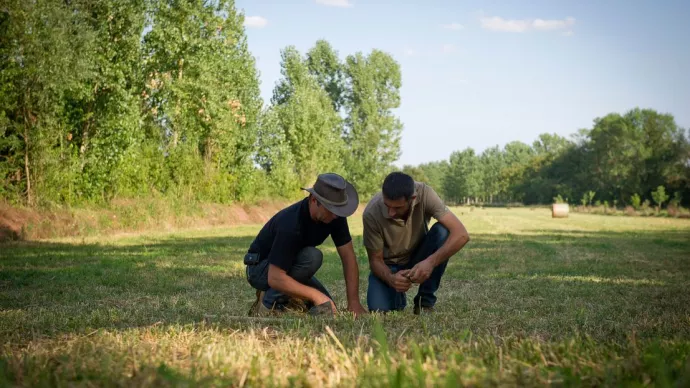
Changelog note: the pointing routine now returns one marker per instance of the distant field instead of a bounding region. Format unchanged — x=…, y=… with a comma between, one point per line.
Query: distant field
x=588, y=300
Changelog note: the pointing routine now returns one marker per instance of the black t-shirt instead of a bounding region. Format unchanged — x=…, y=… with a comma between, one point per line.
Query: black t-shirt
x=292, y=229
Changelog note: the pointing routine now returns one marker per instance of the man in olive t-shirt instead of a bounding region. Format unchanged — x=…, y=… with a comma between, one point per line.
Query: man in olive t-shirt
x=401, y=248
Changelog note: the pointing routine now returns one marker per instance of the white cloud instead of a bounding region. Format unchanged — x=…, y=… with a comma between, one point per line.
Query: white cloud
x=255, y=21
x=453, y=26
x=335, y=3
x=497, y=23
x=448, y=48
x=568, y=33
x=546, y=25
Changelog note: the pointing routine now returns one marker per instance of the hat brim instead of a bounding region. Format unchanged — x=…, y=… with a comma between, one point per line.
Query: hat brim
x=341, y=211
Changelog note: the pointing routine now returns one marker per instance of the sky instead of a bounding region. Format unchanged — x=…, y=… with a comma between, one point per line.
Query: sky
x=484, y=73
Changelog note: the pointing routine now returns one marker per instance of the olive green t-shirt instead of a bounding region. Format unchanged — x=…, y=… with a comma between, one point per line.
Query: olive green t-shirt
x=398, y=238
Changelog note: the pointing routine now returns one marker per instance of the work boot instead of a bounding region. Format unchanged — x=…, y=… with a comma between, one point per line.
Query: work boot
x=258, y=308
x=296, y=305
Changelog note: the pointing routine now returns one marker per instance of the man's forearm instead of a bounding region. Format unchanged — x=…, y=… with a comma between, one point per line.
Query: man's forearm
x=380, y=270
x=453, y=244
x=287, y=285
x=351, y=273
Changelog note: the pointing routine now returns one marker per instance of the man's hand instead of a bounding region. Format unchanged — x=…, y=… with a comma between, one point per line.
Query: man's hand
x=421, y=271
x=399, y=281
x=321, y=299
x=356, y=308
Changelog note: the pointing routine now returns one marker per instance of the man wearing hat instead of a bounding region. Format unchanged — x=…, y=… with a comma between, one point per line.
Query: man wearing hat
x=283, y=258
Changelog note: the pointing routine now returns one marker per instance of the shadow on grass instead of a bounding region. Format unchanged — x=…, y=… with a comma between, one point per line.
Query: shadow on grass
x=511, y=282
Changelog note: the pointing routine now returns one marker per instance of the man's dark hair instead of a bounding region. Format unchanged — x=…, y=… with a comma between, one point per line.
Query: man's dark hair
x=398, y=185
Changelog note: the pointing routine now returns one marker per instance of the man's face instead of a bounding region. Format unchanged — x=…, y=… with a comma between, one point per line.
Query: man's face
x=398, y=208
x=322, y=214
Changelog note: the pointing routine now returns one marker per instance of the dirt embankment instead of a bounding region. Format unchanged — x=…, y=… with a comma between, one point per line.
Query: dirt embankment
x=126, y=216
x=129, y=216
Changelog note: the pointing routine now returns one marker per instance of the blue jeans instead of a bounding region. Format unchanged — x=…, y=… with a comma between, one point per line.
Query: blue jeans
x=307, y=262
x=382, y=297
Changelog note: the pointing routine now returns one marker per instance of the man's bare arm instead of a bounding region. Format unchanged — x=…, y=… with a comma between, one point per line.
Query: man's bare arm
x=457, y=239
x=397, y=280
x=351, y=273
x=279, y=279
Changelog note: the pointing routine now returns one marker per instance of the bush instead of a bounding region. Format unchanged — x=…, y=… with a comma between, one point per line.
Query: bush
x=635, y=201
x=659, y=196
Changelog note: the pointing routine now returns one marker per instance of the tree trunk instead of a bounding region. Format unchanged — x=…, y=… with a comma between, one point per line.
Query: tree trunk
x=27, y=169
x=177, y=106
x=29, y=194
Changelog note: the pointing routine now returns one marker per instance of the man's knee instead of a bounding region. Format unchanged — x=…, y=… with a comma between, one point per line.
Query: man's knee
x=380, y=297
x=380, y=305
x=307, y=263
x=438, y=234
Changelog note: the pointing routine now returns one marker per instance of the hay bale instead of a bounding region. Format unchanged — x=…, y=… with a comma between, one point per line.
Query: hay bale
x=560, y=210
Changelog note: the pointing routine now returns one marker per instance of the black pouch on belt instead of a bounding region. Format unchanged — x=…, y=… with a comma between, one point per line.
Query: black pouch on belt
x=251, y=258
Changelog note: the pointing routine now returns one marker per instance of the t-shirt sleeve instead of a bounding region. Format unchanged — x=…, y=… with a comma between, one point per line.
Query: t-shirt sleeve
x=284, y=249
x=372, y=236
x=434, y=204
x=340, y=232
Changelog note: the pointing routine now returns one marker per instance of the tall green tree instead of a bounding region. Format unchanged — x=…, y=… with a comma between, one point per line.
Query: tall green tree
x=436, y=173
x=308, y=121
x=105, y=116
x=202, y=93
x=274, y=156
x=517, y=155
x=464, y=180
x=492, y=163
x=41, y=64
x=416, y=173
x=372, y=131
x=323, y=63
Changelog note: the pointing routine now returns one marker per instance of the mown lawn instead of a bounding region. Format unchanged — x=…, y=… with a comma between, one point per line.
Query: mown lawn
x=588, y=300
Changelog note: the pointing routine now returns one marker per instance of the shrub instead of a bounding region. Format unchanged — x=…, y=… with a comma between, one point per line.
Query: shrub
x=559, y=199
x=659, y=196
x=635, y=201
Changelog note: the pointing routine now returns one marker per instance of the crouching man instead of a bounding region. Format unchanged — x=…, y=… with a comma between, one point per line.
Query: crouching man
x=401, y=248
x=283, y=258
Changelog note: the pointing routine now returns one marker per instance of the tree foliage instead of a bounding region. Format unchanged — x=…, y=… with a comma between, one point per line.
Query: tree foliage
x=623, y=158
x=131, y=98
x=372, y=131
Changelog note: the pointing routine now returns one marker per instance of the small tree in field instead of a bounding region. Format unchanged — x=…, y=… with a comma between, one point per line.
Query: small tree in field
x=659, y=196
x=636, y=201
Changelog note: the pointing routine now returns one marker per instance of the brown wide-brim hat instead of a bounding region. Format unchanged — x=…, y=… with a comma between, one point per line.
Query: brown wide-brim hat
x=335, y=194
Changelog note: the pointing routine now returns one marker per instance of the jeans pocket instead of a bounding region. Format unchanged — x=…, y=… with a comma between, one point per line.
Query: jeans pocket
x=257, y=276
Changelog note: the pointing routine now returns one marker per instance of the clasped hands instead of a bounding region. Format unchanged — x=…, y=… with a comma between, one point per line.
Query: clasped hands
x=402, y=280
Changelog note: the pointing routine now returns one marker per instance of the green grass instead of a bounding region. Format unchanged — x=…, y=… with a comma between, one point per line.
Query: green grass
x=588, y=300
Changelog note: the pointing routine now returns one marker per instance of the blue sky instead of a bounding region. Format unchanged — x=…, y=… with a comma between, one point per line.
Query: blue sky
x=484, y=73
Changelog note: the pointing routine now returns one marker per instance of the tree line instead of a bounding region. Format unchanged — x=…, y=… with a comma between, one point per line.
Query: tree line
x=134, y=98
x=131, y=98
x=641, y=155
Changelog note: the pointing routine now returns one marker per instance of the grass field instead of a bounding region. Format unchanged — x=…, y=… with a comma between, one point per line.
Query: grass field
x=588, y=300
